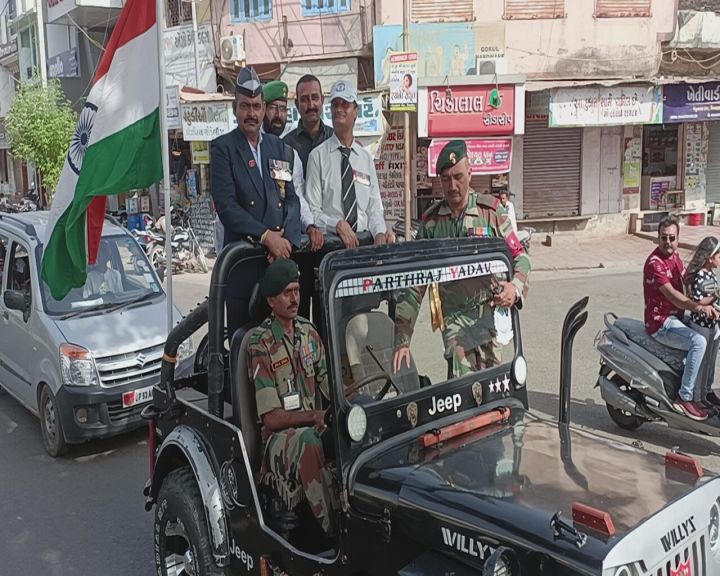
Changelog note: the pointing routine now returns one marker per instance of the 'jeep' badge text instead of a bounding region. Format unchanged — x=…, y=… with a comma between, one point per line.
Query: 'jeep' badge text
x=466, y=544
x=678, y=534
x=445, y=404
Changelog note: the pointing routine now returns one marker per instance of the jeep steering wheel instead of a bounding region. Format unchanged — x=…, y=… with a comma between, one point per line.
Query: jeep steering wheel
x=370, y=378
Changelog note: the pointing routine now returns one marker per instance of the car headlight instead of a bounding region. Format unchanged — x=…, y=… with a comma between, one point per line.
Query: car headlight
x=77, y=366
x=714, y=527
x=185, y=350
x=520, y=371
x=357, y=423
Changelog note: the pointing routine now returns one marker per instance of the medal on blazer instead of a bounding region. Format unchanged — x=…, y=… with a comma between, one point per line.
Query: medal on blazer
x=280, y=172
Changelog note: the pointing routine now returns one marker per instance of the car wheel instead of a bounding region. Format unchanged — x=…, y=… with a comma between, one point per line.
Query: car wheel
x=51, y=425
x=182, y=541
x=626, y=420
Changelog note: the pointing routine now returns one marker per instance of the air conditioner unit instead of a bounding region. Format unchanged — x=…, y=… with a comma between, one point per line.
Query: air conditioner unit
x=232, y=50
x=496, y=66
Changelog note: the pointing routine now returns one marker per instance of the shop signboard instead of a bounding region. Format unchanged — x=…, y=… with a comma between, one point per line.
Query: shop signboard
x=179, y=56
x=64, y=65
x=446, y=48
x=469, y=110
x=403, y=82
x=486, y=155
x=369, y=118
x=691, y=102
x=605, y=106
x=205, y=121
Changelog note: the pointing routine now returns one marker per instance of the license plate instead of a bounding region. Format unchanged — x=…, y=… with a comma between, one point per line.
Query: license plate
x=139, y=396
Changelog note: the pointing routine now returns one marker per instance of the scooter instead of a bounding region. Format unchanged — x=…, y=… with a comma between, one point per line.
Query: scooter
x=639, y=378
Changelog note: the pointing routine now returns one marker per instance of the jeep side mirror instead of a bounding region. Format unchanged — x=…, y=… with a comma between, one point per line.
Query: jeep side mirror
x=15, y=300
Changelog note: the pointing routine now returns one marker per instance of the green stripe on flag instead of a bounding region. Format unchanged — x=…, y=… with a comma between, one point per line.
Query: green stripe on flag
x=129, y=159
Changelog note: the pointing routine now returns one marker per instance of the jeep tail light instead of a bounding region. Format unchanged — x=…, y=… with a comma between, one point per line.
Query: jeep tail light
x=593, y=518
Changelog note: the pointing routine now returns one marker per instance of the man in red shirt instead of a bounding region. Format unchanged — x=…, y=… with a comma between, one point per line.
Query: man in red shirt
x=665, y=303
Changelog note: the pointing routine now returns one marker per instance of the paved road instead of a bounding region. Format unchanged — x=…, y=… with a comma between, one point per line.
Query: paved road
x=84, y=514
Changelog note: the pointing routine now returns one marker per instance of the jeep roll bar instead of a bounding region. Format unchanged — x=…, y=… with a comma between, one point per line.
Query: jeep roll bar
x=574, y=320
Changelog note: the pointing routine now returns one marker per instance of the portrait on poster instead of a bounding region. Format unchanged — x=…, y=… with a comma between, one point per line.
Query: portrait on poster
x=403, y=82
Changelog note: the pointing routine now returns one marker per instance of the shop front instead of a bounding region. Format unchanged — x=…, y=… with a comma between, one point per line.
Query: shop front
x=486, y=116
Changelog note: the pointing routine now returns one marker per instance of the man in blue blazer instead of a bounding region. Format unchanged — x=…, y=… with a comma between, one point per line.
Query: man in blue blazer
x=253, y=193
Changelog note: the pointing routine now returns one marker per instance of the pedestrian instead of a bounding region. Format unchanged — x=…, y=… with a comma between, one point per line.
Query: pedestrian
x=253, y=193
x=665, y=305
x=461, y=213
x=342, y=185
x=702, y=286
x=311, y=130
x=286, y=361
x=504, y=197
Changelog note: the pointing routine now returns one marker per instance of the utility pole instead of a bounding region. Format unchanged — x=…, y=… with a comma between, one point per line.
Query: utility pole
x=407, y=190
x=42, y=57
x=196, y=39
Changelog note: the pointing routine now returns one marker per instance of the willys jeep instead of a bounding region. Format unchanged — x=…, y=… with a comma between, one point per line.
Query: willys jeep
x=437, y=470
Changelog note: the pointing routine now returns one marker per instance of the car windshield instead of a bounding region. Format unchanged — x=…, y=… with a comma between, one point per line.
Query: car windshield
x=421, y=326
x=120, y=275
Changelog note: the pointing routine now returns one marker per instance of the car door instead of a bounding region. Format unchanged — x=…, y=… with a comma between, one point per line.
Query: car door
x=18, y=350
x=4, y=316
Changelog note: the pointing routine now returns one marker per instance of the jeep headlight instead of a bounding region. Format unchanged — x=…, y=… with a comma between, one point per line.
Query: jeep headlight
x=357, y=423
x=77, y=366
x=185, y=350
x=520, y=371
x=714, y=527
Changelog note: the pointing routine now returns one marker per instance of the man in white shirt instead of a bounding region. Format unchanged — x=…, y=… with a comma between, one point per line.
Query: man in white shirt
x=342, y=188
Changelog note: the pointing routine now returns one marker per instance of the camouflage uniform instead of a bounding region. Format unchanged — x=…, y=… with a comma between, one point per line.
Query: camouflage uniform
x=469, y=334
x=294, y=462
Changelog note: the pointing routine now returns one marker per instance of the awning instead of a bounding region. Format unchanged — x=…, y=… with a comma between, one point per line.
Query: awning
x=538, y=85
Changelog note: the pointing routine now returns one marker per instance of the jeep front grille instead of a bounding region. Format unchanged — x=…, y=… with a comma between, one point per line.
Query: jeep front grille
x=694, y=551
x=130, y=367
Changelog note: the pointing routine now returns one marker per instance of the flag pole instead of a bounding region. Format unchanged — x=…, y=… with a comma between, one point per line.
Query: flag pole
x=159, y=15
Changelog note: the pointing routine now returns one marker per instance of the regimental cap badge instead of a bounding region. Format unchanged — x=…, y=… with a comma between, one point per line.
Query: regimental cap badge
x=453, y=158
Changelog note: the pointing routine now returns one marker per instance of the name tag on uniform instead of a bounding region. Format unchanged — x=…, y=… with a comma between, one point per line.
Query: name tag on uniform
x=291, y=401
x=361, y=178
x=280, y=170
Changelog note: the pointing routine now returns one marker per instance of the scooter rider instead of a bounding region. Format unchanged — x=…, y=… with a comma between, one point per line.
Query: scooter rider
x=665, y=303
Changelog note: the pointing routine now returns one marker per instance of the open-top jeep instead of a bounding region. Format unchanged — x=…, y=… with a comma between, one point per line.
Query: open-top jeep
x=436, y=472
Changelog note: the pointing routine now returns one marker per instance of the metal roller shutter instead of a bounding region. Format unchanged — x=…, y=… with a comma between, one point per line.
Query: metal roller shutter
x=712, y=172
x=429, y=11
x=552, y=159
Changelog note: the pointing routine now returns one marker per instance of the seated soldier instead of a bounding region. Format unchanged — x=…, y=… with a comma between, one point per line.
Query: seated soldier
x=287, y=365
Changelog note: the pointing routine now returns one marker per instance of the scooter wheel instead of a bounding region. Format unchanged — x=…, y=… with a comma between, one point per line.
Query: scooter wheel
x=626, y=420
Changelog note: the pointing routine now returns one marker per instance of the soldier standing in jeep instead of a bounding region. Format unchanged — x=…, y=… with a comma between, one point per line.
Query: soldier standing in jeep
x=287, y=365
x=462, y=212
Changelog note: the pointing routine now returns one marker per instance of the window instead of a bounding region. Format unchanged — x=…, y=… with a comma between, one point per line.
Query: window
x=18, y=277
x=622, y=8
x=534, y=9
x=313, y=7
x=244, y=10
x=3, y=254
x=178, y=12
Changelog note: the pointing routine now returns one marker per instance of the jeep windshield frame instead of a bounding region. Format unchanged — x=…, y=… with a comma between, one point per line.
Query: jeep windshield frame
x=393, y=417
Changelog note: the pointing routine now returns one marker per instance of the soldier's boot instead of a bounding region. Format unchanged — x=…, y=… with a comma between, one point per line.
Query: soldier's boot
x=310, y=472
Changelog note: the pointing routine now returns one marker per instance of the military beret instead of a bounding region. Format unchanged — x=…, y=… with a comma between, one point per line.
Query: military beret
x=248, y=83
x=275, y=90
x=454, y=151
x=278, y=275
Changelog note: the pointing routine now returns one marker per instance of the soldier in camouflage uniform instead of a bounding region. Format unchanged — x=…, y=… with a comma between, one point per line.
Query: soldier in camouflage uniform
x=287, y=365
x=469, y=330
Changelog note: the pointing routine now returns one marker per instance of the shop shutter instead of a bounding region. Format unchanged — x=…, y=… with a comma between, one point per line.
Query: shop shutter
x=533, y=9
x=551, y=170
x=622, y=8
x=430, y=11
x=712, y=172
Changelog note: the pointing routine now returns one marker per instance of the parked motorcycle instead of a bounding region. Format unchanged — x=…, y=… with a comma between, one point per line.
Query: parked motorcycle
x=187, y=254
x=524, y=235
x=639, y=378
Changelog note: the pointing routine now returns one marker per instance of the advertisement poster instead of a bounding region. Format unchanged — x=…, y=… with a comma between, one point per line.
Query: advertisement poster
x=606, y=106
x=632, y=159
x=424, y=181
x=390, y=168
x=486, y=156
x=684, y=102
x=403, y=82
x=369, y=119
x=446, y=48
x=696, y=145
x=200, y=152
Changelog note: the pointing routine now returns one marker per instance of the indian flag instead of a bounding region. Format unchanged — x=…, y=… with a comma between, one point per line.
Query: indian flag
x=116, y=147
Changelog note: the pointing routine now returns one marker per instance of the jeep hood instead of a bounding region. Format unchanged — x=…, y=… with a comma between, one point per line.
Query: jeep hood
x=508, y=481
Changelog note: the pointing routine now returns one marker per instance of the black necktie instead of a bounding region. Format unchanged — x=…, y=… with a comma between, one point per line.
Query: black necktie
x=348, y=189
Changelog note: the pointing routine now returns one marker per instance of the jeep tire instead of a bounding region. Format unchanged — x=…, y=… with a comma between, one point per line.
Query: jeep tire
x=182, y=541
x=51, y=424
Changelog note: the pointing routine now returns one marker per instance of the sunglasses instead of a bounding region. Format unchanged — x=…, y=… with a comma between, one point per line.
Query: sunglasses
x=668, y=238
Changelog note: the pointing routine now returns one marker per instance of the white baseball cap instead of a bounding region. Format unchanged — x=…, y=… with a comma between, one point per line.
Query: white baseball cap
x=343, y=89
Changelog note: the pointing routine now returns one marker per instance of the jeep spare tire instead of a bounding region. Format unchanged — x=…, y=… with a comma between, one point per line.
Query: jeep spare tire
x=182, y=540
